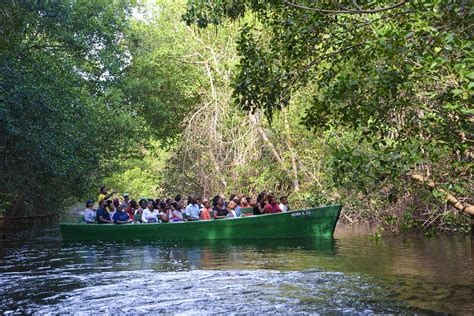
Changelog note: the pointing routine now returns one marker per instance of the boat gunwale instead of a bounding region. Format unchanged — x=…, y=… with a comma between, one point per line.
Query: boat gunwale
x=214, y=220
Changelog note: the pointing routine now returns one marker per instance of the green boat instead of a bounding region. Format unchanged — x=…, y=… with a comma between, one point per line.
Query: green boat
x=313, y=222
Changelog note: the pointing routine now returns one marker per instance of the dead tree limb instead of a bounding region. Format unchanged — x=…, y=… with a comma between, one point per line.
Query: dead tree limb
x=451, y=199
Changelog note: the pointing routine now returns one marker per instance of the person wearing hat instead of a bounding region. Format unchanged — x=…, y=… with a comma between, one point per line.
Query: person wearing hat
x=90, y=215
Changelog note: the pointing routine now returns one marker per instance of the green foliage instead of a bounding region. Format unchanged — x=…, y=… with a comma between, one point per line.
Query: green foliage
x=142, y=176
x=357, y=102
x=160, y=84
x=393, y=89
x=59, y=114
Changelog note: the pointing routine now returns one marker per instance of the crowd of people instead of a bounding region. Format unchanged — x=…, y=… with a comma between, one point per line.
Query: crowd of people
x=113, y=210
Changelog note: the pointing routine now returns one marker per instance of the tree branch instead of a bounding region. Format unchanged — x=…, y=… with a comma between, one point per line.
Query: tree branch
x=452, y=200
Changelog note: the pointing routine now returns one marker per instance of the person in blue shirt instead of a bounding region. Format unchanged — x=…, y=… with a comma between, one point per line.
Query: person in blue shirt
x=121, y=217
x=103, y=216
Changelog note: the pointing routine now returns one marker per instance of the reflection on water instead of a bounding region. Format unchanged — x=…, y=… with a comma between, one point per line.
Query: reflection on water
x=350, y=273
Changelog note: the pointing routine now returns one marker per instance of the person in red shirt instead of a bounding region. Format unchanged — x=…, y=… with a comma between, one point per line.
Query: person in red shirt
x=132, y=206
x=259, y=206
x=272, y=205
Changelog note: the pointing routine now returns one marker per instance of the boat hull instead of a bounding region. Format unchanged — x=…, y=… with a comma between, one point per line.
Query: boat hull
x=314, y=222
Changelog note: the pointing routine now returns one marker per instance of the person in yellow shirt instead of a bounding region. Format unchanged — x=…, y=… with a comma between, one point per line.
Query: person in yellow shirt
x=103, y=194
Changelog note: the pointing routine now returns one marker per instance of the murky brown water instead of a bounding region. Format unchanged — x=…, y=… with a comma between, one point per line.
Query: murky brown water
x=351, y=274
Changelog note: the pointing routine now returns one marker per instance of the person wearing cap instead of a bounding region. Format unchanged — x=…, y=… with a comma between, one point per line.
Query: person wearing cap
x=90, y=215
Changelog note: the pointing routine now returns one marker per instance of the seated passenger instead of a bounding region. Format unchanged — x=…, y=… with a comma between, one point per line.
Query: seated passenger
x=103, y=216
x=244, y=202
x=231, y=212
x=121, y=217
x=206, y=211
x=219, y=210
x=237, y=206
x=252, y=201
x=176, y=215
x=126, y=201
x=198, y=202
x=260, y=204
x=231, y=198
x=164, y=213
x=272, y=205
x=150, y=215
x=116, y=202
x=139, y=211
x=90, y=215
x=111, y=208
x=132, y=206
x=245, y=208
x=192, y=210
x=284, y=204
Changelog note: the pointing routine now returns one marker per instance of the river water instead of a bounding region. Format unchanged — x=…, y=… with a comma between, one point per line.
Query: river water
x=350, y=274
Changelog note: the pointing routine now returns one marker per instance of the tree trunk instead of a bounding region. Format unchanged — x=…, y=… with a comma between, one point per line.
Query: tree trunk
x=268, y=143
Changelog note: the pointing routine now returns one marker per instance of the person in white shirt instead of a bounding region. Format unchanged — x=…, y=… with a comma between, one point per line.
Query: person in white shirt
x=90, y=215
x=192, y=210
x=150, y=215
x=111, y=208
x=284, y=204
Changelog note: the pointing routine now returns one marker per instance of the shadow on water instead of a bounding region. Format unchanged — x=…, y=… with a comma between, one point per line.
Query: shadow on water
x=210, y=254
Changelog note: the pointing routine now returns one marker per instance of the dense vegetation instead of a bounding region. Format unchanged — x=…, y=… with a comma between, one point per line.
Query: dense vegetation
x=369, y=105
